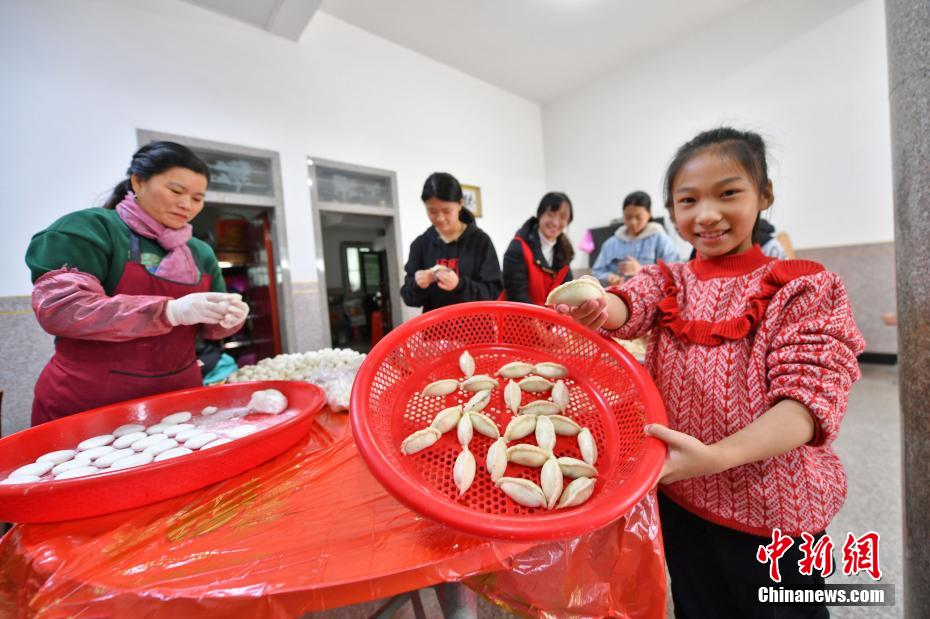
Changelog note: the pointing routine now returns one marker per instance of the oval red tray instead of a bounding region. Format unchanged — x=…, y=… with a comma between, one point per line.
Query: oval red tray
x=103, y=493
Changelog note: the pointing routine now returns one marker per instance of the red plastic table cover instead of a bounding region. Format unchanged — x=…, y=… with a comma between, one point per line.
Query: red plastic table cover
x=311, y=530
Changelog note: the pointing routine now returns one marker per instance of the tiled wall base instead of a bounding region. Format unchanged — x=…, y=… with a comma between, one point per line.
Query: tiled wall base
x=308, y=317
x=869, y=275
x=24, y=350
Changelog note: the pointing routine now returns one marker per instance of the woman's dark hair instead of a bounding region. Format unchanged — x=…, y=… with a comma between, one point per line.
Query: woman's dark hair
x=744, y=147
x=638, y=198
x=155, y=158
x=443, y=186
x=553, y=201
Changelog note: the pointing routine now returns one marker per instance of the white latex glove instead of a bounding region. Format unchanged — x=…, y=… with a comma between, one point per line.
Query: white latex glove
x=207, y=308
x=236, y=314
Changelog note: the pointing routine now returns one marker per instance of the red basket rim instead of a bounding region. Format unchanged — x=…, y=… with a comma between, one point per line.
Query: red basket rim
x=541, y=527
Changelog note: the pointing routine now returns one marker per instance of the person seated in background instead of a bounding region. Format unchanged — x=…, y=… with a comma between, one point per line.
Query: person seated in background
x=539, y=257
x=764, y=235
x=637, y=242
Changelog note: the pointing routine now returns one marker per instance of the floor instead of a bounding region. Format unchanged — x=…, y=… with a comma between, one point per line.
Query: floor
x=869, y=445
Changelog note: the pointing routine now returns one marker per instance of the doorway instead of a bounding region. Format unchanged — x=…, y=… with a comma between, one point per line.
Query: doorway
x=357, y=285
x=358, y=255
x=240, y=236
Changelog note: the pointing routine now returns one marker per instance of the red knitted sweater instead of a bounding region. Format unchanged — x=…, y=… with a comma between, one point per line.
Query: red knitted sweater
x=730, y=337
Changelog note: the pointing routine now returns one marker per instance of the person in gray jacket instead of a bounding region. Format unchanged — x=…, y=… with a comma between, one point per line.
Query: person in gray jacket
x=637, y=242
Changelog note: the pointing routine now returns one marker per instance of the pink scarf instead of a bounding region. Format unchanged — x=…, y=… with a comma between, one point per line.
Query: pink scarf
x=178, y=265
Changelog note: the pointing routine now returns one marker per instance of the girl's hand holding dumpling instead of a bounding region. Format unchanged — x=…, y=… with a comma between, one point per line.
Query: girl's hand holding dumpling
x=591, y=314
x=609, y=312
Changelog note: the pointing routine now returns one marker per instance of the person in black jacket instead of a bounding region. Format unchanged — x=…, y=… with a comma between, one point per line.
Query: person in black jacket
x=539, y=257
x=453, y=261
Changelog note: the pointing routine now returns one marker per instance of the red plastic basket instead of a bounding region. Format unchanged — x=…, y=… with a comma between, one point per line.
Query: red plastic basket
x=611, y=394
x=103, y=493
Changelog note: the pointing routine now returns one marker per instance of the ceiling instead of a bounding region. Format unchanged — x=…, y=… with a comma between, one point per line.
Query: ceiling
x=285, y=18
x=538, y=49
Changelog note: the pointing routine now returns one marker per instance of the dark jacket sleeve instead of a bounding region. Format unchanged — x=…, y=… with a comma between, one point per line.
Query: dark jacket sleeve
x=487, y=285
x=413, y=295
x=516, y=276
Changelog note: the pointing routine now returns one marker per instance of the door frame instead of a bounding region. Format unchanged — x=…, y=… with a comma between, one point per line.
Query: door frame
x=391, y=216
x=274, y=204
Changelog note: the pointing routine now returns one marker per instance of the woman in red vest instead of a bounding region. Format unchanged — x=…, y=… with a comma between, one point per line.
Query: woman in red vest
x=539, y=257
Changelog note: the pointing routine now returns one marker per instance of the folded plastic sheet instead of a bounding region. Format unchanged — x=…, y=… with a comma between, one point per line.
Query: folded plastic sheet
x=311, y=530
x=616, y=571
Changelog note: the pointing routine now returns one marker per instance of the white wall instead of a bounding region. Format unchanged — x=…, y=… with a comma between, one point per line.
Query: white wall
x=811, y=77
x=79, y=77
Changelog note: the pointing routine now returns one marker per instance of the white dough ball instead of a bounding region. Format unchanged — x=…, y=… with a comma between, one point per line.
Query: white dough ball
x=135, y=460
x=57, y=457
x=161, y=446
x=181, y=417
x=240, y=431
x=97, y=441
x=148, y=441
x=172, y=453
x=129, y=428
x=128, y=439
x=186, y=435
x=175, y=429
x=217, y=443
x=107, y=460
x=158, y=428
x=82, y=471
x=78, y=462
x=96, y=452
x=20, y=479
x=36, y=468
x=200, y=440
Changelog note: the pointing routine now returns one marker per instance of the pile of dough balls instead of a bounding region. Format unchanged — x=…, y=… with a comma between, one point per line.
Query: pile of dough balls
x=298, y=366
x=332, y=369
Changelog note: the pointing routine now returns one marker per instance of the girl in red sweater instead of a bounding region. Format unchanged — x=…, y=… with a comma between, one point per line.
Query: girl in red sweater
x=754, y=359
